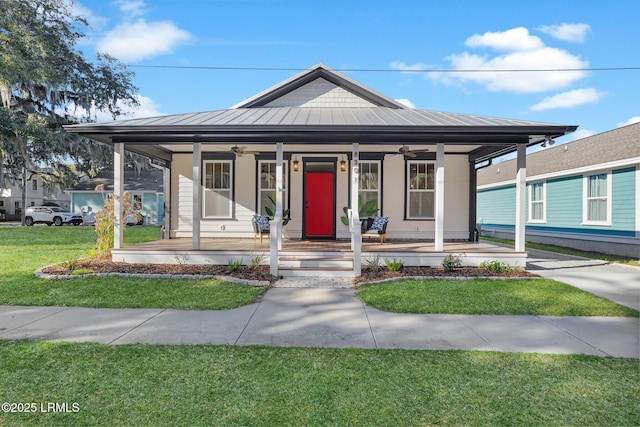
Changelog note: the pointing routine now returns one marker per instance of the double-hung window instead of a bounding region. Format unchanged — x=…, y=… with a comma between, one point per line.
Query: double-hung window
x=420, y=189
x=597, y=199
x=369, y=183
x=537, y=202
x=218, y=189
x=267, y=186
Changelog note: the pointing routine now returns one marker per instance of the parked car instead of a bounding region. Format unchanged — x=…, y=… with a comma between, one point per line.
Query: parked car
x=50, y=215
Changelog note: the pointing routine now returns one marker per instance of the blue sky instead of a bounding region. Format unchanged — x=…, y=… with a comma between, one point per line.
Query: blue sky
x=397, y=36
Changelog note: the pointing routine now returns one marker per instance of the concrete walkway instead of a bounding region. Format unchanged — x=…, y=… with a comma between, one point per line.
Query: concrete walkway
x=332, y=317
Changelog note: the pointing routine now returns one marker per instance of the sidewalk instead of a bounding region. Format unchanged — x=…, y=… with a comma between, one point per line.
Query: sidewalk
x=311, y=316
x=320, y=317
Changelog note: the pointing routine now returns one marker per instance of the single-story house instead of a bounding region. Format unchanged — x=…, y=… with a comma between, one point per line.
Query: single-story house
x=145, y=186
x=584, y=194
x=318, y=142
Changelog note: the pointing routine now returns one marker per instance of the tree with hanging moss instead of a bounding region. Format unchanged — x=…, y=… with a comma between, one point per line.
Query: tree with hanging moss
x=45, y=83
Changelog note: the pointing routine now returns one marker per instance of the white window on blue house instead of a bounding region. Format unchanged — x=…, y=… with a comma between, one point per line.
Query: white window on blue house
x=537, y=202
x=267, y=186
x=369, y=183
x=218, y=187
x=420, y=189
x=597, y=199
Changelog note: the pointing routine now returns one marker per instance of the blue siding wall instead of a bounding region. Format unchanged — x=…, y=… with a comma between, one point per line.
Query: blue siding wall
x=624, y=198
x=497, y=206
x=564, y=204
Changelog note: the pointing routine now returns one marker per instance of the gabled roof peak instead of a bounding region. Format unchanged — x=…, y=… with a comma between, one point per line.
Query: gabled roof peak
x=307, y=76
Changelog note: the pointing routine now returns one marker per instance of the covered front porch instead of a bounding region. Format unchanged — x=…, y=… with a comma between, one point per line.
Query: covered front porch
x=299, y=257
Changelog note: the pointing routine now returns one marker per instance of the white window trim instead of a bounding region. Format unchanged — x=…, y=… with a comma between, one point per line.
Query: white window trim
x=408, y=190
x=543, y=201
x=285, y=199
x=585, y=202
x=379, y=189
x=204, y=189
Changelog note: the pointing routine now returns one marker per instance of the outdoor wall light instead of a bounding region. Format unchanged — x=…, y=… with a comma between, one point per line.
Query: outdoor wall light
x=343, y=165
x=296, y=165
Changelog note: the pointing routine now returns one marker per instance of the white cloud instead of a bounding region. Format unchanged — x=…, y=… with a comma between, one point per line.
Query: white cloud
x=95, y=22
x=515, y=39
x=570, y=99
x=142, y=40
x=576, y=33
x=131, y=8
x=579, y=134
x=515, y=49
x=632, y=120
x=147, y=108
x=399, y=65
x=405, y=102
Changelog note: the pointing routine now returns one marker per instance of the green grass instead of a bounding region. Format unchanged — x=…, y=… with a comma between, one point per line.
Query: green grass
x=486, y=296
x=569, y=251
x=218, y=385
x=25, y=249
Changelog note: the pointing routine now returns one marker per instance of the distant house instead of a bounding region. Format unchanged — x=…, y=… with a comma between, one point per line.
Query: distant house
x=146, y=188
x=37, y=193
x=584, y=194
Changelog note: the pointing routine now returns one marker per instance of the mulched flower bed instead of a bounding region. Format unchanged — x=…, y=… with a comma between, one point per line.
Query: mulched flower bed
x=261, y=273
x=383, y=273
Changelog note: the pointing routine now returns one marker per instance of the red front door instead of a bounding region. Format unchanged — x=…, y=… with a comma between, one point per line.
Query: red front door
x=319, y=205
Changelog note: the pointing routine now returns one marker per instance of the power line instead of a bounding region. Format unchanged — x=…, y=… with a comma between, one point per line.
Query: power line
x=380, y=70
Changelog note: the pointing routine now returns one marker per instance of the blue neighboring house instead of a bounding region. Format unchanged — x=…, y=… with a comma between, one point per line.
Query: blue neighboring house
x=146, y=188
x=584, y=194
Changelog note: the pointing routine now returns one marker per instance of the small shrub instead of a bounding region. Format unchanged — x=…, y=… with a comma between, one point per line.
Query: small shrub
x=235, y=265
x=451, y=262
x=70, y=265
x=257, y=259
x=374, y=263
x=394, y=265
x=496, y=267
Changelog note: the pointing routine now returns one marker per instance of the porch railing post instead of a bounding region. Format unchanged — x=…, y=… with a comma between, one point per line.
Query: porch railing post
x=354, y=223
x=279, y=191
x=273, y=248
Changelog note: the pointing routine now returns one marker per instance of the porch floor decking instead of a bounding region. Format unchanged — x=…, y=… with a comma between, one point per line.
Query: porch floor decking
x=295, y=245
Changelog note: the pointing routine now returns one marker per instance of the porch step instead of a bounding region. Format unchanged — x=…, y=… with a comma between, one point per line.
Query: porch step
x=315, y=272
x=315, y=266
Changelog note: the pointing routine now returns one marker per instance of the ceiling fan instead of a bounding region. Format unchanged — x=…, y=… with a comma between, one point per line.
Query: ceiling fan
x=239, y=151
x=406, y=151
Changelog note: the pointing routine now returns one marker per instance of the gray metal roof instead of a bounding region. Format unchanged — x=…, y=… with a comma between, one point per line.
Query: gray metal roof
x=617, y=144
x=252, y=122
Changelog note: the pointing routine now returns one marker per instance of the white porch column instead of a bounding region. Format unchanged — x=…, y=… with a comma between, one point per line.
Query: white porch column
x=166, y=200
x=521, y=187
x=279, y=193
x=275, y=225
x=354, y=224
x=439, y=202
x=197, y=200
x=118, y=191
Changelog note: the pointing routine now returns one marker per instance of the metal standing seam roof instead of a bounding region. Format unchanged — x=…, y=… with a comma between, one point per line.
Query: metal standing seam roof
x=301, y=116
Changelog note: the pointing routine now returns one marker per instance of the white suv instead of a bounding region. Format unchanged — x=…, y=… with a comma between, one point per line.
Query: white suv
x=50, y=215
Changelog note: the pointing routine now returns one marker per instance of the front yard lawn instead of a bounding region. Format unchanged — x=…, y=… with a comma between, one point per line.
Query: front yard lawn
x=218, y=385
x=486, y=296
x=25, y=249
